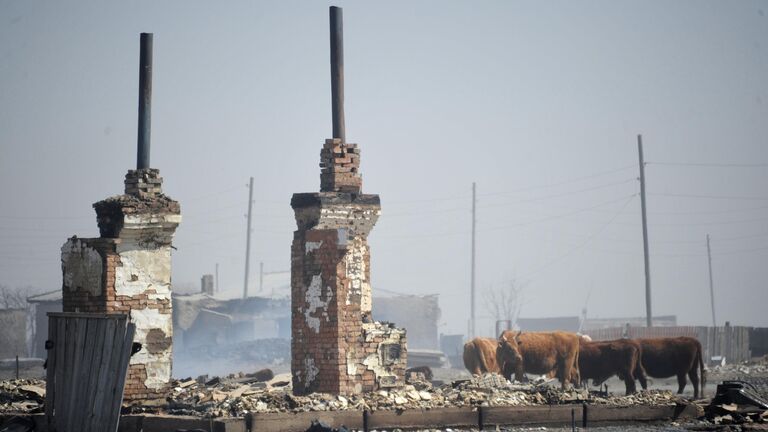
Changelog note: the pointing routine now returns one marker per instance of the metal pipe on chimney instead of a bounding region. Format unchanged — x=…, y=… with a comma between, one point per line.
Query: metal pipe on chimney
x=337, y=72
x=145, y=101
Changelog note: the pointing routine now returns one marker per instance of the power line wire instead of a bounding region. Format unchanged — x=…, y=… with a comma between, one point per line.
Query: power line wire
x=603, y=186
x=729, y=211
x=522, y=189
x=550, y=185
x=583, y=244
x=727, y=197
x=711, y=165
x=558, y=216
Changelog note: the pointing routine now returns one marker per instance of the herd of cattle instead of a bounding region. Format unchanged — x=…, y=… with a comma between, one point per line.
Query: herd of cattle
x=575, y=359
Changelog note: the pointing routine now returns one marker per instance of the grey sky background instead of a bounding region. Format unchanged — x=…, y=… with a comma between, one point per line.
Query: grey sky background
x=538, y=102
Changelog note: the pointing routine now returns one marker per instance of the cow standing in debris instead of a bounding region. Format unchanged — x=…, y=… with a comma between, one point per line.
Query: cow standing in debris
x=480, y=356
x=599, y=361
x=667, y=357
x=541, y=354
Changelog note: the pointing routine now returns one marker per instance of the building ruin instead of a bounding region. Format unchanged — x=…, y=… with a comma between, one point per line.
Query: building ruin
x=128, y=268
x=336, y=347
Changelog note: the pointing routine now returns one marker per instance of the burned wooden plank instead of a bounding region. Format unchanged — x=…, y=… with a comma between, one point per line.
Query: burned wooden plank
x=93, y=375
x=50, y=388
x=89, y=363
x=604, y=414
x=299, y=422
x=103, y=373
x=121, y=372
x=424, y=418
x=529, y=415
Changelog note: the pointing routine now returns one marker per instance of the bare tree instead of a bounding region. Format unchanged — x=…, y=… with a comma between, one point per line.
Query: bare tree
x=13, y=298
x=504, y=302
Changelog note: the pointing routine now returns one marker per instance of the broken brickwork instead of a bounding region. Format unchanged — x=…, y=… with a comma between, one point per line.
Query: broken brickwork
x=340, y=167
x=128, y=270
x=336, y=347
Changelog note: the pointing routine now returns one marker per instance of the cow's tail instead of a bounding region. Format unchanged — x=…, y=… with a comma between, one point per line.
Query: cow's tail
x=468, y=354
x=702, y=371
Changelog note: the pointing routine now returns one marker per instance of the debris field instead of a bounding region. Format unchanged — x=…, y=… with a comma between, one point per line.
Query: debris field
x=239, y=394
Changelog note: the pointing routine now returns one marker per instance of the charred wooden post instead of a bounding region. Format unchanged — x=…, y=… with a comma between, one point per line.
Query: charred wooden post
x=145, y=101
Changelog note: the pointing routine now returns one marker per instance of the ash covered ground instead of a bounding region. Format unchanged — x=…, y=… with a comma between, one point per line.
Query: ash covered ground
x=237, y=395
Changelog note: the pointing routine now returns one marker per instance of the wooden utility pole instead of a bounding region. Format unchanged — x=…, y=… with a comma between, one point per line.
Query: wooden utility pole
x=248, y=238
x=648, y=313
x=711, y=284
x=261, y=276
x=472, y=283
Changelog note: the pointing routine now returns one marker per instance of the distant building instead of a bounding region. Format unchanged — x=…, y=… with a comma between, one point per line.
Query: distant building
x=417, y=314
x=13, y=333
x=37, y=320
x=206, y=284
x=202, y=320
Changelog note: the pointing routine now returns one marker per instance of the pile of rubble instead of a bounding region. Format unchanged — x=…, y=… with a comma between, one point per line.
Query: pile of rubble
x=237, y=395
x=22, y=395
x=755, y=368
x=232, y=397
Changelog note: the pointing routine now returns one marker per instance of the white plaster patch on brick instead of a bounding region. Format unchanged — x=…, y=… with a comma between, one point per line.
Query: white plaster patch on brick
x=310, y=247
x=143, y=269
x=82, y=267
x=351, y=364
x=342, y=235
x=151, y=221
x=373, y=362
x=359, y=288
x=158, y=364
x=314, y=302
x=311, y=370
x=358, y=219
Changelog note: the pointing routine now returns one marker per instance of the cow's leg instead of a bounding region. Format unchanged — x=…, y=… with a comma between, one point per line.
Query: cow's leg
x=640, y=375
x=680, y=383
x=564, y=371
x=520, y=374
x=629, y=381
x=693, y=374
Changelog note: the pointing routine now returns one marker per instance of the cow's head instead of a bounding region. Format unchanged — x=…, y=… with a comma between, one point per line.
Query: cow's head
x=508, y=352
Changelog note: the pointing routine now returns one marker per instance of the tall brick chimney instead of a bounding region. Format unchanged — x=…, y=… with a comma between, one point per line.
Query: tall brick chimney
x=336, y=347
x=128, y=268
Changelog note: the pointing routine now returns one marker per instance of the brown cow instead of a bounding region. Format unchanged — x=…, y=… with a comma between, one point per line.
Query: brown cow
x=540, y=353
x=666, y=357
x=599, y=361
x=480, y=356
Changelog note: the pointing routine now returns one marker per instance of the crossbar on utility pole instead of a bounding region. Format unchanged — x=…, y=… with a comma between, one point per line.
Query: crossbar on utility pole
x=472, y=328
x=711, y=284
x=648, y=313
x=248, y=238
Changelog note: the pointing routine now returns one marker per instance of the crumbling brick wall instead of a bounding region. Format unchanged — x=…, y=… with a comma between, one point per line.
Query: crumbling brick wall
x=335, y=347
x=128, y=270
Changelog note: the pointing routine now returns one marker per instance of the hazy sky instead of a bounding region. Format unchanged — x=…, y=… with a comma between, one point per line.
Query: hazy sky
x=538, y=102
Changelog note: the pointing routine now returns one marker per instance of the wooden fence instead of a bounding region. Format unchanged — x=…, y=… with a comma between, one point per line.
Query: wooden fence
x=731, y=342
x=87, y=361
